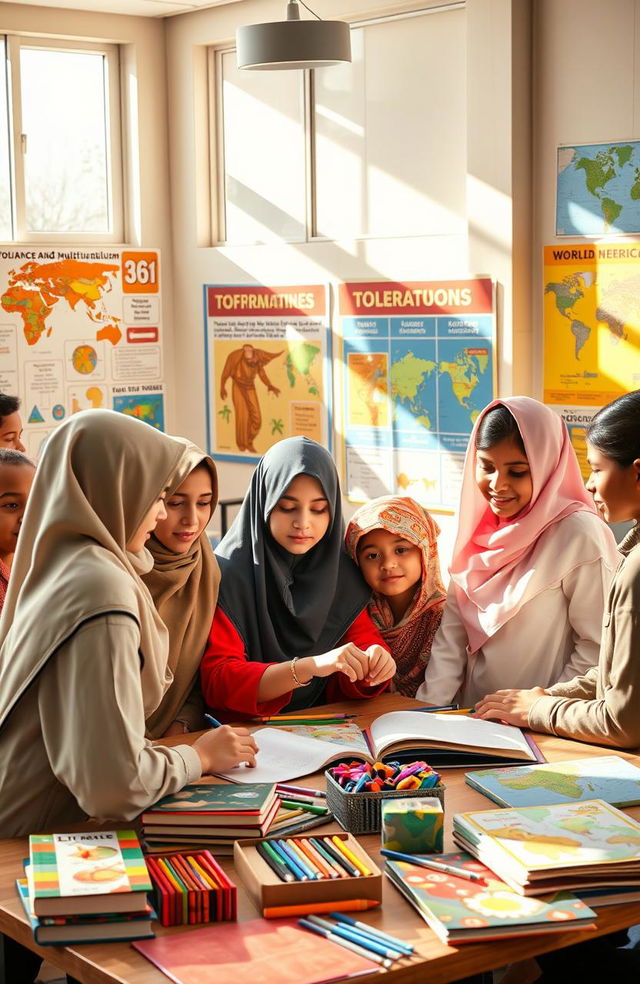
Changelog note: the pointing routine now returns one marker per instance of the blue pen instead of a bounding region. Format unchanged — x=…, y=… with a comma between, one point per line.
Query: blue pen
x=301, y=872
x=347, y=944
x=352, y=934
x=212, y=721
x=365, y=928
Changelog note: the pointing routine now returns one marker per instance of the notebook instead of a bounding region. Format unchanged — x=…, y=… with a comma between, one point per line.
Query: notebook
x=261, y=950
x=221, y=804
x=607, y=777
x=447, y=739
x=463, y=911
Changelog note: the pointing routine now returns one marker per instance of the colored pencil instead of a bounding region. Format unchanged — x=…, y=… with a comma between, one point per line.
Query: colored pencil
x=432, y=710
x=340, y=859
x=267, y=854
x=286, y=787
x=347, y=944
x=308, y=717
x=392, y=940
x=302, y=825
x=423, y=862
x=350, y=856
x=350, y=933
x=294, y=860
x=328, y=871
x=307, y=807
x=289, y=862
x=461, y=710
x=324, y=854
x=348, y=905
x=303, y=860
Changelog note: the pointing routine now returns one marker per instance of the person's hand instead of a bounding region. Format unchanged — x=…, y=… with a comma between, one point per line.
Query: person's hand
x=509, y=706
x=381, y=666
x=348, y=659
x=223, y=393
x=223, y=748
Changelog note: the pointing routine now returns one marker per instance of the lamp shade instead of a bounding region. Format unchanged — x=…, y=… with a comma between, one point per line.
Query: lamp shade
x=293, y=44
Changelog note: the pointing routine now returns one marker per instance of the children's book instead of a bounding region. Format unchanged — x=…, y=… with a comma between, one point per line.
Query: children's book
x=262, y=950
x=443, y=739
x=51, y=930
x=462, y=911
x=552, y=848
x=607, y=777
x=98, y=872
x=209, y=805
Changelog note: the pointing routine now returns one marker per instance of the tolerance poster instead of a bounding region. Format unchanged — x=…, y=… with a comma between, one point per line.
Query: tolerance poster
x=418, y=365
x=268, y=360
x=80, y=328
x=591, y=307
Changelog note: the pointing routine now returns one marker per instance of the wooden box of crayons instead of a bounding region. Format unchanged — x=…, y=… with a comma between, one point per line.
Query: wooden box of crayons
x=338, y=872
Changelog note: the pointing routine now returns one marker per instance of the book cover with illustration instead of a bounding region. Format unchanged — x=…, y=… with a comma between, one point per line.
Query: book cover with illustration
x=251, y=801
x=606, y=777
x=72, y=873
x=463, y=911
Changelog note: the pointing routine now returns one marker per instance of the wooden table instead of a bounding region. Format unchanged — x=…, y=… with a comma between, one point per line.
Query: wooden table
x=118, y=963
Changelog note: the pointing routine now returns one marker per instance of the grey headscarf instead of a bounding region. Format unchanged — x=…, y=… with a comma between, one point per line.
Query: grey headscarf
x=284, y=605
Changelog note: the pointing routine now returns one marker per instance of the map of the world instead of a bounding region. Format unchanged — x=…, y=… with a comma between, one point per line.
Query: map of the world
x=598, y=189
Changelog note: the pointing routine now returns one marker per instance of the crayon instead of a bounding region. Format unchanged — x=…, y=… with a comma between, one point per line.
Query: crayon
x=340, y=859
x=347, y=905
x=350, y=856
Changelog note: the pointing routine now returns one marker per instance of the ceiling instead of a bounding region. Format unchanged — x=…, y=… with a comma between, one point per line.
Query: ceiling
x=138, y=8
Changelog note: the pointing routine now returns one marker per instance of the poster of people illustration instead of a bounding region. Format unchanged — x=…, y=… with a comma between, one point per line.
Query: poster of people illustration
x=267, y=353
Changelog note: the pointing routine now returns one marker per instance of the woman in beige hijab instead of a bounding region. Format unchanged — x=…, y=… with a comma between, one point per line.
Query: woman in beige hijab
x=184, y=586
x=83, y=652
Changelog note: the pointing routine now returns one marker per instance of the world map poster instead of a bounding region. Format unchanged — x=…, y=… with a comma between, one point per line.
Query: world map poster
x=598, y=189
x=591, y=311
x=80, y=328
x=418, y=366
x=268, y=367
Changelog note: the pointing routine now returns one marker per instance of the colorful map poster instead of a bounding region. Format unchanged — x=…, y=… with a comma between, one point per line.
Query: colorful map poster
x=268, y=360
x=598, y=189
x=591, y=330
x=80, y=328
x=418, y=365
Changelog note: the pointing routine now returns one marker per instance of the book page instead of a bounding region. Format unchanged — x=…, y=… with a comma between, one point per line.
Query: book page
x=448, y=729
x=282, y=756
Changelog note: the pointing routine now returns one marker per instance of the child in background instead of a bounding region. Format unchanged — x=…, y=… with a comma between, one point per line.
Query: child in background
x=291, y=627
x=10, y=423
x=16, y=476
x=600, y=706
x=184, y=584
x=394, y=542
x=531, y=564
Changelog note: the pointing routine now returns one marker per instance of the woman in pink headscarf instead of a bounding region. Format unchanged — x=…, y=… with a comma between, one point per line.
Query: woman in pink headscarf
x=531, y=563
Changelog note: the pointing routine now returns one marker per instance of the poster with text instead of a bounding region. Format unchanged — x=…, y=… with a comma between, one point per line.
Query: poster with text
x=591, y=309
x=418, y=365
x=80, y=328
x=268, y=360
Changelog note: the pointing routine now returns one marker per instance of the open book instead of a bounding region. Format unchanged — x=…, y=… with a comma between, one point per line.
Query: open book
x=442, y=739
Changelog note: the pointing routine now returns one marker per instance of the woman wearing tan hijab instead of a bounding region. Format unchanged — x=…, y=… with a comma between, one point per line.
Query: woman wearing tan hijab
x=184, y=586
x=83, y=652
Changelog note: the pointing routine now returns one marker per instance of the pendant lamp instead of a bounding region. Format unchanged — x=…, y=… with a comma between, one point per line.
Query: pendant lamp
x=293, y=43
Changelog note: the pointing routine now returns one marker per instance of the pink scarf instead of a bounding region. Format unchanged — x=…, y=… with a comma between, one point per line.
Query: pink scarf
x=410, y=640
x=491, y=567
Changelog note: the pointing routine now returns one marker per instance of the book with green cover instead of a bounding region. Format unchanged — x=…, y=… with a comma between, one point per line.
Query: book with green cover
x=462, y=911
x=209, y=803
x=99, y=871
x=607, y=777
x=551, y=848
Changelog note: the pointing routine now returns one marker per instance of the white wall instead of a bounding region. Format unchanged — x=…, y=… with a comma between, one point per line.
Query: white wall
x=498, y=94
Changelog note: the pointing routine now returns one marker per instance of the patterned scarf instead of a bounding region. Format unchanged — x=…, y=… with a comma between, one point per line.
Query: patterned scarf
x=410, y=640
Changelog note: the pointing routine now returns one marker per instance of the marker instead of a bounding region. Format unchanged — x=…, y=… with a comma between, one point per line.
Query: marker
x=348, y=944
x=340, y=859
x=267, y=854
x=289, y=862
x=350, y=856
x=392, y=940
x=423, y=862
x=295, y=862
x=307, y=807
x=350, y=933
x=288, y=789
x=213, y=722
x=328, y=871
x=303, y=860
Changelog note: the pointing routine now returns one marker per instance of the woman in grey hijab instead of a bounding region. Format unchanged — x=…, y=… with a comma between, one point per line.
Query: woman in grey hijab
x=291, y=627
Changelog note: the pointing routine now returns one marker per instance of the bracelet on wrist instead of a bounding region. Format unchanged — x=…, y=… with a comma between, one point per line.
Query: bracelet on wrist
x=296, y=679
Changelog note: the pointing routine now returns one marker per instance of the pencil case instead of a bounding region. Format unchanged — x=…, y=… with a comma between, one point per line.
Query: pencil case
x=361, y=813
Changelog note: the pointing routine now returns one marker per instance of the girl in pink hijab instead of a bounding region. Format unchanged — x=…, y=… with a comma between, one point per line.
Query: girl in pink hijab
x=531, y=564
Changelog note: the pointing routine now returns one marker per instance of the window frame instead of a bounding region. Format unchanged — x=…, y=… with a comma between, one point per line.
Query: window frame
x=113, y=144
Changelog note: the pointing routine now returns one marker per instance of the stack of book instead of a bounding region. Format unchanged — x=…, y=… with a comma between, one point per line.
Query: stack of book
x=86, y=887
x=211, y=816
x=540, y=849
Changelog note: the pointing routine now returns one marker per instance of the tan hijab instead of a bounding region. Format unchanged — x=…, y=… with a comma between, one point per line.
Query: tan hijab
x=184, y=588
x=99, y=475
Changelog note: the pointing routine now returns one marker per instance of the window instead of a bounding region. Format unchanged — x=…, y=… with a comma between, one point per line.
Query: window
x=60, y=156
x=375, y=148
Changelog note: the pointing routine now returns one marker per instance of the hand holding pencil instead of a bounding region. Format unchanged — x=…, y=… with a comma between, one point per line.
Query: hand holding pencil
x=225, y=747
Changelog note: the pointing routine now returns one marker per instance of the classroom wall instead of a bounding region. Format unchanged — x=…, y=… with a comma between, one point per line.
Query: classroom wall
x=148, y=215
x=493, y=238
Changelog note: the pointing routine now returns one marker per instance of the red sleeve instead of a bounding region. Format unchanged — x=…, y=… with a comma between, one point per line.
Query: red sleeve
x=229, y=680
x=363, y=633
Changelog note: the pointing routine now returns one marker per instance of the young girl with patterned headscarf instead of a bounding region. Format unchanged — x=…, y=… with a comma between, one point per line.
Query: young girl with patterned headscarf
x=394, y=541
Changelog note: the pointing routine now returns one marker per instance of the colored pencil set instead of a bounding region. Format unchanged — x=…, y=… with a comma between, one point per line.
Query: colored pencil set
x=191, y=888
x=359, y=937
x=295, y=859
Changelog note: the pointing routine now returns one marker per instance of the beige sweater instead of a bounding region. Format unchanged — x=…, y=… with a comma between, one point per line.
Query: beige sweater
x=603, y=706
x=74, y=745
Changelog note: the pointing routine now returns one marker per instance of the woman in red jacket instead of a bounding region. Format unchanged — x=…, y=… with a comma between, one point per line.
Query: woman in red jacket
x=291, y=628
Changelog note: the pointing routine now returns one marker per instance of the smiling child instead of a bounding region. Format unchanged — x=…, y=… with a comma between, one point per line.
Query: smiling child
x=16, y=476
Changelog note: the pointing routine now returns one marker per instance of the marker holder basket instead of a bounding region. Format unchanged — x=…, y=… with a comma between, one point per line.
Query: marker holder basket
x=361, y=813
